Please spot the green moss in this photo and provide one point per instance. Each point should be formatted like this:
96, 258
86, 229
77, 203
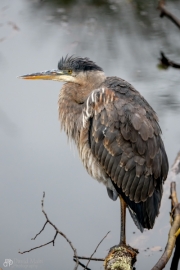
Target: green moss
119, 259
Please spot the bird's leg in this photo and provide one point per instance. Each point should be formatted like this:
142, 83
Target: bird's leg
123, 222
122, 245
121, 256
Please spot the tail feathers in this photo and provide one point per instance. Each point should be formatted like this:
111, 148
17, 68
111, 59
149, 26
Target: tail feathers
135, 219
144, 213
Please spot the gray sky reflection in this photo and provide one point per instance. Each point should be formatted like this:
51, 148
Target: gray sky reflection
35, 155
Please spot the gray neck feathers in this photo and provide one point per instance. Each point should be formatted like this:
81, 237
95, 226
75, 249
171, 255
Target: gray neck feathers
71, 101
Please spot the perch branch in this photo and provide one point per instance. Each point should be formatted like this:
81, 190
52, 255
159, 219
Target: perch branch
53, 241
122, 257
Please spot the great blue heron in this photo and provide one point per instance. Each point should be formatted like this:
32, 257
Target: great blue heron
117, 135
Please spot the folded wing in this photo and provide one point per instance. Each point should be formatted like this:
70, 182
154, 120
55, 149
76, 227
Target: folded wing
124, 136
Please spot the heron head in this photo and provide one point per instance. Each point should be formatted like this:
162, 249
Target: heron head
70, 69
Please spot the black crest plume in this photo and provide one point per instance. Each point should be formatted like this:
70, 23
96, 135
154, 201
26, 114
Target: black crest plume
78, 64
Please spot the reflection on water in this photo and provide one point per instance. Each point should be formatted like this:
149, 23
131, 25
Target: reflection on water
118, 24
125, 38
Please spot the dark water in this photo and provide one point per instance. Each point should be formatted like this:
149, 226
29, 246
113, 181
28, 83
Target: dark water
125, 38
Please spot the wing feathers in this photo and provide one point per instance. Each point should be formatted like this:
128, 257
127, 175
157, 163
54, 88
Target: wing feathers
139, 170
145, 188
103, 157
127, 188
130, 164
120, 177
152, 147
111, 161
125, 181
126, 131
141, 146
125, 139
137, 195
133, 188
134, 135
116, 166
116, 174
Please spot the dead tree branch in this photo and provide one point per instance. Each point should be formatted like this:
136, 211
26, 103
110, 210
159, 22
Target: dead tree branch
81, 264
174, 230
165, 13
176, 256
124, 257
40, 231
53, 241
175, 215
96, 250
165, 62
92, 259
75, 257
176, 165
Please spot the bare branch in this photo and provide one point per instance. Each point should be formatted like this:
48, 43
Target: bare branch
173, 197
176, 256
173, 230
40, 231
165, 62
96, 249
176, 166
127, 254
57, 232
92, 259
166, 13
81, 264
35, 247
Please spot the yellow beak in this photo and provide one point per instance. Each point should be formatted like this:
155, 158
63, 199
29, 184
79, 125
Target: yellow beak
45, 75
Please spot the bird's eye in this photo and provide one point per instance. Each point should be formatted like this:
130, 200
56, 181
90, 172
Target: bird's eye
69, 71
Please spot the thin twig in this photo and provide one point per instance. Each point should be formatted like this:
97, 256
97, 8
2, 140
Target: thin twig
81, 264
36, 247
176, 165
40, 231
96, 249
92, 259
57, 232
52, 241
61, 233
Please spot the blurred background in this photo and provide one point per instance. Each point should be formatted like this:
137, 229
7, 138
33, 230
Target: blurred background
125, 38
